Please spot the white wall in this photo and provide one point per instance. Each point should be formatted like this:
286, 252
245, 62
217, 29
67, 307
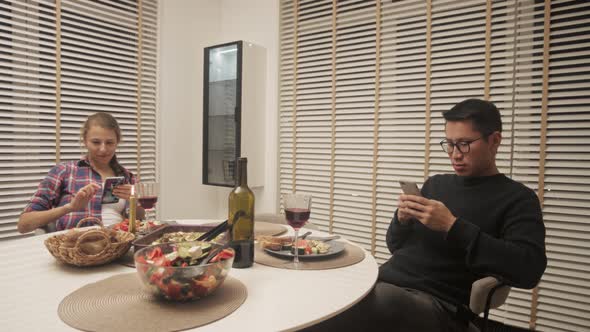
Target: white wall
186, 27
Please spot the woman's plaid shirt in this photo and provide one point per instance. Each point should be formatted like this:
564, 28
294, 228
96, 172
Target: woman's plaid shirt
63, 182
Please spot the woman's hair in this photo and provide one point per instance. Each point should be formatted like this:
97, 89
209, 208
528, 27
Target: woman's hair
483, 114
103, 120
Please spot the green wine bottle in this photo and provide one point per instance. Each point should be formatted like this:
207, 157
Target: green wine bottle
241, 218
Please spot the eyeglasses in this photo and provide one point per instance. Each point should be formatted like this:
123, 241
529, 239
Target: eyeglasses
463, 146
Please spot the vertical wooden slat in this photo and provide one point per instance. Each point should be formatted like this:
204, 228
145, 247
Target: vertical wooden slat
488, 50
427, 87
295, 55
57, 81
139, 78
543, 142
513, 80
333, 120
376, 125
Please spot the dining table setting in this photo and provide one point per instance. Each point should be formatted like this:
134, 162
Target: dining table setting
179, 276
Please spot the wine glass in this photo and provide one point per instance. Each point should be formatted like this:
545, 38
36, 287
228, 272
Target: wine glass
147, 195
297, 211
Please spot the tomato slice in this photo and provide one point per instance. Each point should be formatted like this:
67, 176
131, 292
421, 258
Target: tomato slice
225, 254
173, 290
156, 277
155, 253
162, 261
222, 255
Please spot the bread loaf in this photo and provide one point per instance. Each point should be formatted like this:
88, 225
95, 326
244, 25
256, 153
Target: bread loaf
93, 246
71, 237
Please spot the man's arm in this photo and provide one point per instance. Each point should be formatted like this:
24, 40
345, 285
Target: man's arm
518, 256
397, 233
401, 225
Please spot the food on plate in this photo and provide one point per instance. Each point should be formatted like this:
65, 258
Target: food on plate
310, 247
305, 247
272, 242
144, 226
287, 246
177, 237
173, 270
317, 247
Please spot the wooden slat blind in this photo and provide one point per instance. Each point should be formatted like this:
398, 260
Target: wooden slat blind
372, 78
62, 61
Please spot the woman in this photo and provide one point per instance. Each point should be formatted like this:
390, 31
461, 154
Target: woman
73, 190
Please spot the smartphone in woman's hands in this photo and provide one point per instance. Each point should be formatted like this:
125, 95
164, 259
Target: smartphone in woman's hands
107, 189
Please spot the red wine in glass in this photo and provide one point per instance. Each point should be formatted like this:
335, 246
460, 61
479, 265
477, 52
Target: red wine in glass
148, 202
297, 217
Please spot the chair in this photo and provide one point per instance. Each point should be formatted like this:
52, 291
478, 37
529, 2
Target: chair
486, 293
280, 219
49, 228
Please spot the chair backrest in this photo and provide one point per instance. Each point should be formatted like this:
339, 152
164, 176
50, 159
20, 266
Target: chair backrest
480, 290
49, 228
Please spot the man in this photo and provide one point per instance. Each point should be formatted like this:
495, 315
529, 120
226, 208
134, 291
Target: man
474, 223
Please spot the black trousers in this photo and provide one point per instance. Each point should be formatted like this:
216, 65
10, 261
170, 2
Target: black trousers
391, 308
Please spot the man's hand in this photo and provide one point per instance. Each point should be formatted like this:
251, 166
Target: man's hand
402, 216
82, 197
433, 214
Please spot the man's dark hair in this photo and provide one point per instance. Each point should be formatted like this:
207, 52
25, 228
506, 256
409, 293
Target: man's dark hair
483, 114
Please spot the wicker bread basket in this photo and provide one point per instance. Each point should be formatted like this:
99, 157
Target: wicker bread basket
92, 247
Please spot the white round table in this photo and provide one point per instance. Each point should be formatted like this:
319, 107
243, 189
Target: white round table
33, 283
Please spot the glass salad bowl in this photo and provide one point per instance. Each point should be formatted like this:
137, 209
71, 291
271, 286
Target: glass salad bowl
183, 271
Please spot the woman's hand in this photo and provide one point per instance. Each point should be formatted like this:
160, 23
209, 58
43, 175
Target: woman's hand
82, 197
122, 191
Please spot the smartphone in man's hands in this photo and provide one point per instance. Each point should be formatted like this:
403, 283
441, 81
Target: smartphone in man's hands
409, 187
107, 189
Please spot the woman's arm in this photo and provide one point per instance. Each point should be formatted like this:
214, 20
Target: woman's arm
29, 221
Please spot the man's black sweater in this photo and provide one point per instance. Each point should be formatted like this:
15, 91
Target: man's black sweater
499, 231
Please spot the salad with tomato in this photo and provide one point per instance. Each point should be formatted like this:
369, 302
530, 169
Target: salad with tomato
144, 226
183, 271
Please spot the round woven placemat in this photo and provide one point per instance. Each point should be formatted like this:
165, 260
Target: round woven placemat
262, 228
119, 303
351, 255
